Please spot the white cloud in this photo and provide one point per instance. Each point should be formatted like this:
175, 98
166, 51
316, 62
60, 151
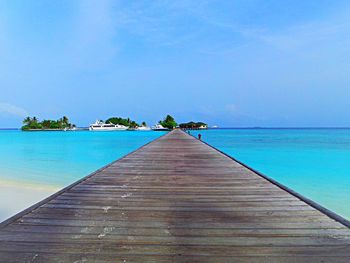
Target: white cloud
12, 110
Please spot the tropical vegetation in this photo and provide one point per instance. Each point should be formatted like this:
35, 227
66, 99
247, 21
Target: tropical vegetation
193, 125
32, 123
122, 121
168, 122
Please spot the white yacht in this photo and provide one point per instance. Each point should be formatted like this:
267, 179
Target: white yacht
159, 127
101, 126
70, 129
143, 128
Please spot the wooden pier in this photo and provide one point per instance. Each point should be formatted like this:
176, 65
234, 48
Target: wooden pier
175, 200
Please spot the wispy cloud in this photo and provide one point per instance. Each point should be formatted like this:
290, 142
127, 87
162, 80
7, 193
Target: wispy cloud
162, 23
317, 34
11, 109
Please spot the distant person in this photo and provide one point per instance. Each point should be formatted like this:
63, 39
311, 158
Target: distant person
199, 136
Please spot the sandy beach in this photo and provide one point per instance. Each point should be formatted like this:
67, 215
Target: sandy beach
16, 196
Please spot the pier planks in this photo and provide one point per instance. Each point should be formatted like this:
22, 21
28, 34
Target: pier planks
174, 200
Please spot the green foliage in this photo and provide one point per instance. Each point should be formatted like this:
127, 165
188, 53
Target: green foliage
192, 125
121, 121
55, 125
31, 123
169, 122
133, 124
34, 124
46, 124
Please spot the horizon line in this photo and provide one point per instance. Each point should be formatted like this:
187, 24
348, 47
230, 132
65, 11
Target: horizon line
247, 127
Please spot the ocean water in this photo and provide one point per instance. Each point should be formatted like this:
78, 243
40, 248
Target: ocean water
313, 162
60, 158
34, 165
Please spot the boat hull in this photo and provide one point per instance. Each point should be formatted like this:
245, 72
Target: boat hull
160, 129
108, 129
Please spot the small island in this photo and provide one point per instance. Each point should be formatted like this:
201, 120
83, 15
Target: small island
112, 123
33, 124
168, 122
118, 124
193, 126
124, 121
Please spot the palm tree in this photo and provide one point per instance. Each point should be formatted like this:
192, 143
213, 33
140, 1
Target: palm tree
35, 120
46, 124
27, 120
169, 122
65, 120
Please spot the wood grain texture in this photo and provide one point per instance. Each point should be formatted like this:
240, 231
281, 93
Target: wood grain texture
174, 200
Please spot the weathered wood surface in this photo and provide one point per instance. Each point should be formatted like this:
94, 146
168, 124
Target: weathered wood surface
174, 200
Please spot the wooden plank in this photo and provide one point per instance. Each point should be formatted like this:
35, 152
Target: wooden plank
177, 224
175, 200
97, 257
159, 231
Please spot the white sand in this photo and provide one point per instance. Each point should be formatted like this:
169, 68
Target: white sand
16, 196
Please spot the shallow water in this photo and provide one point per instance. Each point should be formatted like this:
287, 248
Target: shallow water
59, 158
34, 165
313, 162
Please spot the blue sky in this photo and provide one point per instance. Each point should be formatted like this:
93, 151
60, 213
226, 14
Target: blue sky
229, 63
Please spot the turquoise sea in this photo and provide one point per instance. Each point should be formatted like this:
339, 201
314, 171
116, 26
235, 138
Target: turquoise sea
60, 158
313, 162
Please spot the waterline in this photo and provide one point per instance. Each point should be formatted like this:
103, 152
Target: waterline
16, 196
